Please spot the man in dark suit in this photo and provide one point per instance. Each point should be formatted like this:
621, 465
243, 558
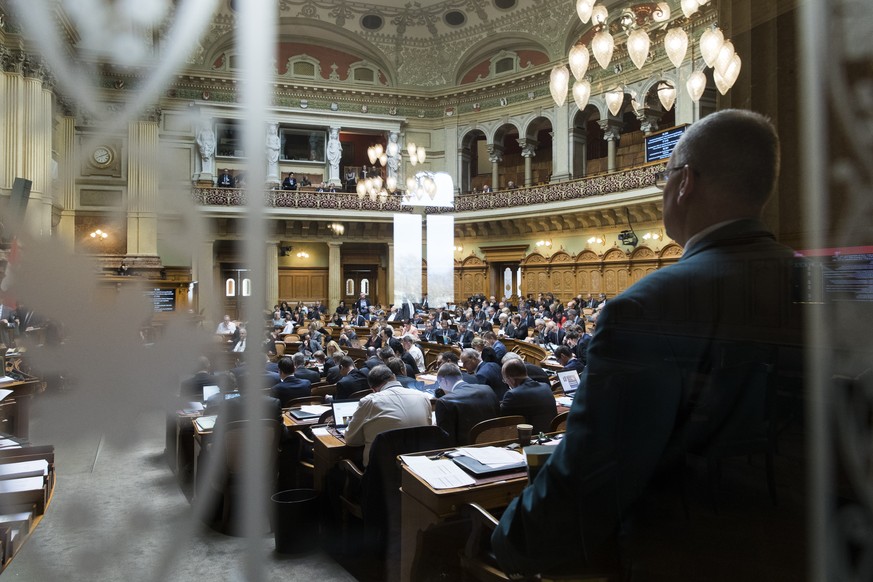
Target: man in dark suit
289, 386
225, 180
352, 380
290, 182
529, 398
465, 336
192, 388
486, 372
359, 320
302, 372
372, 359
464, 405
445, 334
677, 363
565, 356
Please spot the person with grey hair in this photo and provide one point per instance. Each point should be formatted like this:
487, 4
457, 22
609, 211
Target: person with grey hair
302, 372
679, 365
526, 397
413, 350
464, 405
391, 406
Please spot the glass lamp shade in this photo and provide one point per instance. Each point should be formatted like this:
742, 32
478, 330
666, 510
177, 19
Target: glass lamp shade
667, 94
410, 149
410, 183
614, 100
579, 60
720, 82
662, 12
420, 154
724, 57
559, 82
392, 148
689, 7
371, 154
583, 9
676, 45
602, 46
599, 14
581, 93
638, 47
732, 71
696, 85
361, 189
383, 159
391, 183
710, 44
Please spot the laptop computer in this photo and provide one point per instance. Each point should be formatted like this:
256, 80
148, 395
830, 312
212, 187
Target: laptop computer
343, 410
477, 469
569, 381
209, 391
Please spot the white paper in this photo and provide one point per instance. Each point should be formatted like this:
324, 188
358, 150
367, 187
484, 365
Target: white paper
6, 379
440, 474
195, 406
492, 456
315, 408
320, 431
206, 422
564, 401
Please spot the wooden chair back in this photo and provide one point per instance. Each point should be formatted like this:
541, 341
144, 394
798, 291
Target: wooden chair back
304, 401
559, 423
501, 428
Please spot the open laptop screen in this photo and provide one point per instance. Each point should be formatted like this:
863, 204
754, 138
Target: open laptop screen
210, 391
343, 411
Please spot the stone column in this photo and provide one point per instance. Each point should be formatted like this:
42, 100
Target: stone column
528, 151
26, 134
611, 132
142, 186
334, 275
561, 144
451, 155
272, 275
390, 272
203, 270
67, 172
579, 152
271, 148
334, 154
464, 178
649, 118
686, 110
495, 156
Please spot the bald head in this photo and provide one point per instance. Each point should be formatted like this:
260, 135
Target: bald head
723, 168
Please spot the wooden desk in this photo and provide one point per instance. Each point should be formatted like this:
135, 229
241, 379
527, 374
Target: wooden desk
423, 507
18, 403
328, 451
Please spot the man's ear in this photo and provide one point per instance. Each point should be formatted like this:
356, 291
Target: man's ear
686, 186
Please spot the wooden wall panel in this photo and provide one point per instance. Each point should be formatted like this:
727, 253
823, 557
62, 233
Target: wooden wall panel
303, 285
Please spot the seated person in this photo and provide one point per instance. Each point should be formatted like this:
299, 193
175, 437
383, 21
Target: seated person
464, 405
390, 407
531, 399
302, 372
398, 368
486, 372
289, 386
226, 327
534, 372
351, 379
565, 356
241, 345
192, 388
408, 343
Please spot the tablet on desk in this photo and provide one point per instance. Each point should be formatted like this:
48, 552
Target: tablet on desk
478, 469
343, 410
302, 414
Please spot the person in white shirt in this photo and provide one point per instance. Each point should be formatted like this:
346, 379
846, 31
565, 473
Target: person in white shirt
226, 327
240, 346
408, 342
391, 406
289, 327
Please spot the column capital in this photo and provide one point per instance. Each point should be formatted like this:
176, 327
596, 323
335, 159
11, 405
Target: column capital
611, 129
334, 243
649, 118
528, 147
495, 153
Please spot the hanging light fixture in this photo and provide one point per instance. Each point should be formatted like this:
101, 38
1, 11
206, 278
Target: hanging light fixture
689, 7
732, 71
582, 93
696, 85
720, 82
559, 82
583, 9
579, 59
710, 44
676, 45
614, 100
666, 94
602, 46
599, 14
638, 44
724, 57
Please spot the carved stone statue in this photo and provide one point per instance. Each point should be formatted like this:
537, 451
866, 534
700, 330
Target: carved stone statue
206, 145
334, 155
272, 153
393, 155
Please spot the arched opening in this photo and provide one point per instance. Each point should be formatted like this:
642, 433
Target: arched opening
475, 171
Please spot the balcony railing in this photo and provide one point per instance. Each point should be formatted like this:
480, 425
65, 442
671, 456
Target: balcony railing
621, 181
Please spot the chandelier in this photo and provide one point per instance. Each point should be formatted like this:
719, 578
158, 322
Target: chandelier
635, 24
375, 187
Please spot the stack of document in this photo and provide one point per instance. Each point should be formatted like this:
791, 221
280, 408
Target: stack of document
439, 474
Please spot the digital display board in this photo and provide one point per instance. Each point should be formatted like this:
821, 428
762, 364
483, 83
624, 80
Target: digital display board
659, 146
163, 299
